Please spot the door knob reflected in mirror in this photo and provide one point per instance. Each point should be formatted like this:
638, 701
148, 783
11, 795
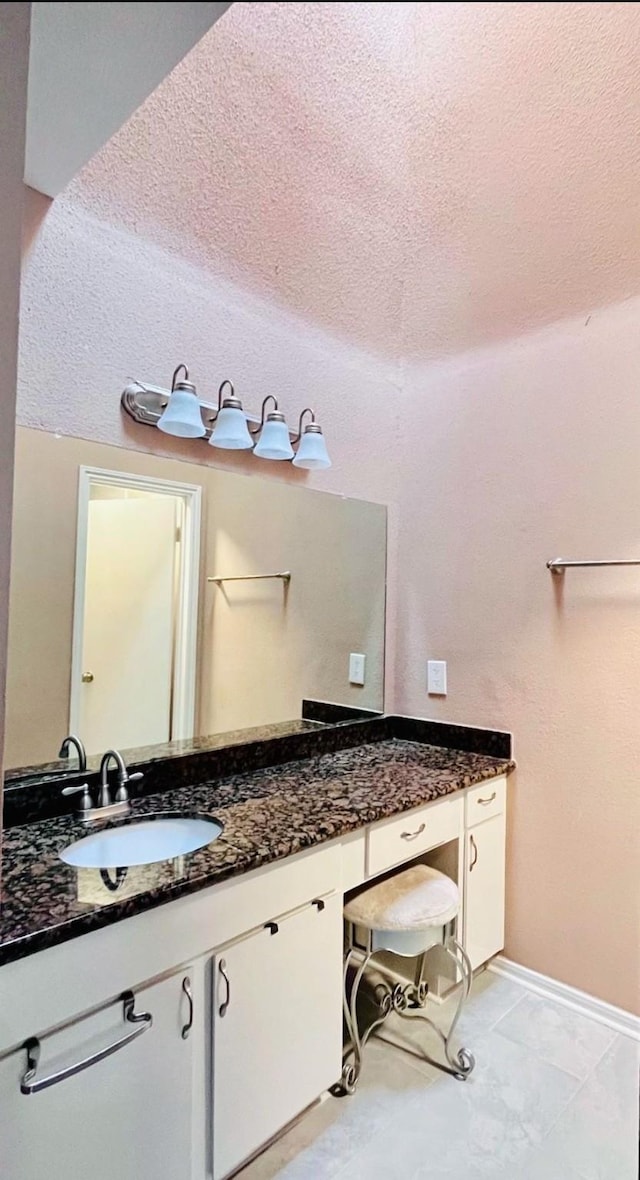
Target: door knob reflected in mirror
87, 677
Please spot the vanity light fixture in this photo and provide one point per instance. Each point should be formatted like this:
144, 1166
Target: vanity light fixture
274, 441
181, 415
225, 424
230, 431
312, 453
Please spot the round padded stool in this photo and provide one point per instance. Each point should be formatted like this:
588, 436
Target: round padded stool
407, 913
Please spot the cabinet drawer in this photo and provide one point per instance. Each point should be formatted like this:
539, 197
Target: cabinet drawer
395, 840
485, 800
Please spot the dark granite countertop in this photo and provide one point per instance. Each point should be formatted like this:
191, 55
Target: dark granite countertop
267, 815
175, 749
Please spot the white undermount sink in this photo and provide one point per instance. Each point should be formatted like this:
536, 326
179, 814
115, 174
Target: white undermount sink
141, 843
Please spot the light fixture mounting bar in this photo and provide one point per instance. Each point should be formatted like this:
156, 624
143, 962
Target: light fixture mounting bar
145, 403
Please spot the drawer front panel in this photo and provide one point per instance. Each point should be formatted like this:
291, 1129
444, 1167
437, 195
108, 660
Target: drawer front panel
485, 800
400, 839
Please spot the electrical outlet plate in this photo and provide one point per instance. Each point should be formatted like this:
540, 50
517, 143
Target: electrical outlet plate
437, 678
357, 663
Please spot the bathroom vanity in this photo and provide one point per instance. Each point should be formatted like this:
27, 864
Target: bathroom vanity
164, 1020
215, 980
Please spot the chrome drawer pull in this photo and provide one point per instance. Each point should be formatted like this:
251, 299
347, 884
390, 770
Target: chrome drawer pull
186, 987
222, 968
485, 801
412, 835
29, 1084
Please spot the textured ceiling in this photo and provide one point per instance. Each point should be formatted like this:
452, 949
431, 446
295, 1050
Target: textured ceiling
421, 178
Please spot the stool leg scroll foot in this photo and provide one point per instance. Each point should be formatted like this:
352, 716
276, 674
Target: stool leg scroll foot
458, 1063
352, 1063
390, 998
462, 1062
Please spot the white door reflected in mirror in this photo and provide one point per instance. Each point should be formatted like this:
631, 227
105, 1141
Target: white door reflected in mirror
129, 685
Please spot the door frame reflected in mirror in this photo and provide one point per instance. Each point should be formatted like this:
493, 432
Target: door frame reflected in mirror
183, 685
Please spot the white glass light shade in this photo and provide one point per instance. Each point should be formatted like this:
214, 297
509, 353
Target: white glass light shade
181, 415
230, 431
274, 442
312, 452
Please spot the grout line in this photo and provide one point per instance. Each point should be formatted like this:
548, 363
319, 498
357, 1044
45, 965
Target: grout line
563, 1068
564, 1109
599, 1011
554, 1003
493, 1027
532, 1051
604, 1054
409, 1060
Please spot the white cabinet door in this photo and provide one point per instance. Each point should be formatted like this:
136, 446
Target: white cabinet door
277, 1028
127, 1115
484, 890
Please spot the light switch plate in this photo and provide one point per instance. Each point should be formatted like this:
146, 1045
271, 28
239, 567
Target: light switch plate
356, 667
437, 678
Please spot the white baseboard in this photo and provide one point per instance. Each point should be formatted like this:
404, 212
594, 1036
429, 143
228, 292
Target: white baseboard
571, 997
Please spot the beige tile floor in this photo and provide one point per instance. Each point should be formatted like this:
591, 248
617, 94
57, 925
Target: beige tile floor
554, 1096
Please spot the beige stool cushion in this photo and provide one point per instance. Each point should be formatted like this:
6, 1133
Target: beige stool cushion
415, 899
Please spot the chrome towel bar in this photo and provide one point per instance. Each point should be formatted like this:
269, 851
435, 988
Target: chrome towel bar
29, 1084
558, 565
285, 576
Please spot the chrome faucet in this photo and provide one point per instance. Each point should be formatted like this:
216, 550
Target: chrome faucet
105, 808
72, 740
122, 794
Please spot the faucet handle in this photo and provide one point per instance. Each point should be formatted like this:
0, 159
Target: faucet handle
122, 794
86, 802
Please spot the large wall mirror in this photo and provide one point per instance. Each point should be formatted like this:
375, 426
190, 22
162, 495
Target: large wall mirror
154, 600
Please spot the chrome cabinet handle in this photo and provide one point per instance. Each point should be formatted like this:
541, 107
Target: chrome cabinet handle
483, 802
30, 1085
222, 968
412, 835
186, 987
474, 849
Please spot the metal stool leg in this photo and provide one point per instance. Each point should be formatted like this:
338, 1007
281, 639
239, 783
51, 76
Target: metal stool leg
419, 998
458, 1063
352, 1057
393, 997
352, 1063
463, 1061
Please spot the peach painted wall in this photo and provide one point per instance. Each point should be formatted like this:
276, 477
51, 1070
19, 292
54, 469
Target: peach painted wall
511, 456
14, 58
